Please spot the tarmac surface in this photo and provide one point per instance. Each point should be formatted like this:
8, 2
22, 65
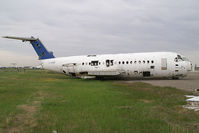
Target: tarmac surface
189, 83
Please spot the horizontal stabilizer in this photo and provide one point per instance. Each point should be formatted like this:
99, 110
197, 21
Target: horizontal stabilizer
20, 38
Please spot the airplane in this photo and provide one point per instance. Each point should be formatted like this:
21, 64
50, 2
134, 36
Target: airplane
130, 65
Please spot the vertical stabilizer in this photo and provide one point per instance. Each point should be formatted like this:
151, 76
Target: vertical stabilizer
39, 48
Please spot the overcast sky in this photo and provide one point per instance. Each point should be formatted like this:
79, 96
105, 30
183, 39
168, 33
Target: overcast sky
81, 27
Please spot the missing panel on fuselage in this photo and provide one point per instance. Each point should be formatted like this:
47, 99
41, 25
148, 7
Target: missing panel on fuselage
146, 74
94, 63
109, 63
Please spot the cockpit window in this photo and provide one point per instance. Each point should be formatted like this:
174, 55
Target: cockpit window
178, 58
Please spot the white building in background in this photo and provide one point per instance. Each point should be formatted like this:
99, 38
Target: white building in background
193, 68
196, 67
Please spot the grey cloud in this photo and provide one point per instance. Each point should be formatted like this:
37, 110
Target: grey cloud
7, 58
76, 27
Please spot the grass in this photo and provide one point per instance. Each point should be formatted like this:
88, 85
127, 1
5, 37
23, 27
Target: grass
39, 101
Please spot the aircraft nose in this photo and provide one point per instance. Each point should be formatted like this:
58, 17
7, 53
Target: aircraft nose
188, 65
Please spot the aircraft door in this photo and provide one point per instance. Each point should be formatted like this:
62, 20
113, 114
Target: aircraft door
164, 64
164, 70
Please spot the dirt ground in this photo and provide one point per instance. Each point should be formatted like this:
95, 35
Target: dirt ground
189, 83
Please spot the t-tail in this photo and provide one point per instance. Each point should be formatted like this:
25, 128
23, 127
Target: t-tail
40, 49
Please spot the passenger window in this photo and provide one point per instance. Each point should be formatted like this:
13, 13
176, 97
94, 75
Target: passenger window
148, 61
83, 63
143, 61
119, 62
152, 61
139, 61
135, 62
122, 62
127, 62
131, 62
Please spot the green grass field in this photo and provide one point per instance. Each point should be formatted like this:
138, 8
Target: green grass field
38, 101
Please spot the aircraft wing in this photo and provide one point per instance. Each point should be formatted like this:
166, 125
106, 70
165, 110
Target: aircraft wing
104, 73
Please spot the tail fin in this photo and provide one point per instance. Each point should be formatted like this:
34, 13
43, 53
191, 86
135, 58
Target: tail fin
40, 49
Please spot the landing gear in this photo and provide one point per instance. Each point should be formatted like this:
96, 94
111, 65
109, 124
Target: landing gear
100, 78
175, 78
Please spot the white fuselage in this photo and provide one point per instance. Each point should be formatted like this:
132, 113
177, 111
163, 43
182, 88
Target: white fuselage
132, 65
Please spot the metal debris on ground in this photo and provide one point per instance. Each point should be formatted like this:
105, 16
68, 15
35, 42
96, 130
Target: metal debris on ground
192, 102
